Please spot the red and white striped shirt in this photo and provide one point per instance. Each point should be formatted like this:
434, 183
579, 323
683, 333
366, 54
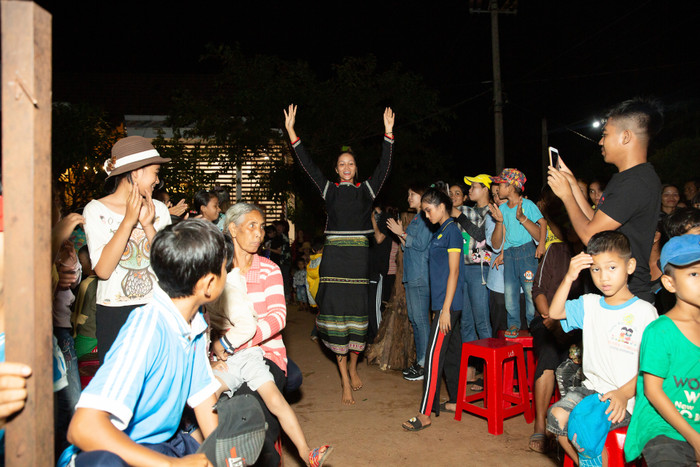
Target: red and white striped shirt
266, 291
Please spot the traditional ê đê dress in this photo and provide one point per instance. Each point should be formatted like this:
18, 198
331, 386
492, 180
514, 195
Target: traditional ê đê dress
344, 270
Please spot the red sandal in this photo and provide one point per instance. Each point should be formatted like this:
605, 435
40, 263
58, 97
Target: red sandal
317, 457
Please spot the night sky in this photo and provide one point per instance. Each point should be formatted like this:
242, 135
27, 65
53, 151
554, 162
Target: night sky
564, 60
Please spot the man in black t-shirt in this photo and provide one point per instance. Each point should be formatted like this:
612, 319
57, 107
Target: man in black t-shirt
630, 202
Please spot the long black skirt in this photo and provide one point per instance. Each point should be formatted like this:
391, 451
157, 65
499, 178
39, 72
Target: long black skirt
342, 294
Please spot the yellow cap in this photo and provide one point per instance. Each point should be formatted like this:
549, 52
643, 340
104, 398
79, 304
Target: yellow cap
481, 178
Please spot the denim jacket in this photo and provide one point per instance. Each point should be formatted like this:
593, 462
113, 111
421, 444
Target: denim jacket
415, 259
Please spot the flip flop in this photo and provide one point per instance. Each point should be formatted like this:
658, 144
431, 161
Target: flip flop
477, 385
512, 332
538, 443
414, 425
443, 408
317, 458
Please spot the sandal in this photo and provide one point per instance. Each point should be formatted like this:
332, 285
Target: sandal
443, 407
318, 457
477, 385
538, 443
413, 424
512, 332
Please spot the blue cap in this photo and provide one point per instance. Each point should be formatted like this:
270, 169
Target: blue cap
589, 422
681, 251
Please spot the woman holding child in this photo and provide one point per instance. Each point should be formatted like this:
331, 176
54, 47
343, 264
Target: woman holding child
257, 359
343, 290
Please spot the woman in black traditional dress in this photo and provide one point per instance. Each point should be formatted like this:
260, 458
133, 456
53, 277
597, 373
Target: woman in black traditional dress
343, 289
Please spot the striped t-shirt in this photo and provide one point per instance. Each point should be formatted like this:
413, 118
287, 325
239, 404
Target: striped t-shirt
266, 290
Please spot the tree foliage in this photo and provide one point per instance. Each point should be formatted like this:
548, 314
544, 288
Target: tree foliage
235, 121
82, 139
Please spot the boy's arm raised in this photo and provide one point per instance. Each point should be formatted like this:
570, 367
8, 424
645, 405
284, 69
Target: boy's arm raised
578, 263
91, 430
653, 390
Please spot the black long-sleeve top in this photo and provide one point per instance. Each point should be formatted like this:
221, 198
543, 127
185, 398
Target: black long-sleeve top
349, 205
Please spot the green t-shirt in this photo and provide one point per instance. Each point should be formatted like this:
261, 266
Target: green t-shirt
668, 354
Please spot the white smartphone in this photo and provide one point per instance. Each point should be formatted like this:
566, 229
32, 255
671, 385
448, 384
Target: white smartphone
554, 157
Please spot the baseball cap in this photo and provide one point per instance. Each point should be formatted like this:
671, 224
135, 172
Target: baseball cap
589, 422
512, 176
681, 251
481, 178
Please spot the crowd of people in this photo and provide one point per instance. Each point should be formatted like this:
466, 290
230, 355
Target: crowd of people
604, 274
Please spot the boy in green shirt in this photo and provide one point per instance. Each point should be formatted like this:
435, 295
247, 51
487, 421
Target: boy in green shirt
665, 426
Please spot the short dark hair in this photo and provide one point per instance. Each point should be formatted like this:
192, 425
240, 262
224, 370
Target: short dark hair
680, 221
609, 241
437, 194
647, 113
417, 187
183, 253
202, 198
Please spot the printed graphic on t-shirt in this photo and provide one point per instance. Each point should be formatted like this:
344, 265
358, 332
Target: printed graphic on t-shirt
691, 389
136, 259
621, 335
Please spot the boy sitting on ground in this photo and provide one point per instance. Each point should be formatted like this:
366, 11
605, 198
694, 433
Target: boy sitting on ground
612, 327
131, 410
234, 322
665, 427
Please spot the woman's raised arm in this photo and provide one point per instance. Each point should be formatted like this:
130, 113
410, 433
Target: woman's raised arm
290, 117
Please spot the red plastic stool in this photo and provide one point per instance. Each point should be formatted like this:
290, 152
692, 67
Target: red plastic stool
614, 444
498, 404
526, 340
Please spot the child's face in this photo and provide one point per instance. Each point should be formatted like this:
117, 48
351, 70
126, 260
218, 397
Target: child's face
504, 190
211, 211
609, 272
595, 192
685, 284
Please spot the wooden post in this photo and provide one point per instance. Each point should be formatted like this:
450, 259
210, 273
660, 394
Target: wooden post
26, 177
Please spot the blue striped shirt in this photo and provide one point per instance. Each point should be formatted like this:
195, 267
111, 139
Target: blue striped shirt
157, 364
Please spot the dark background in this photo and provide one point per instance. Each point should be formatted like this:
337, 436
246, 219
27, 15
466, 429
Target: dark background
564, 60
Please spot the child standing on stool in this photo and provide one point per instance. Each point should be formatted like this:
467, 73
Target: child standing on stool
518, 223
665, 427
612, 327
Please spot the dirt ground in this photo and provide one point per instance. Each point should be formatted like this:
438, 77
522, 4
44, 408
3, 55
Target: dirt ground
369, 433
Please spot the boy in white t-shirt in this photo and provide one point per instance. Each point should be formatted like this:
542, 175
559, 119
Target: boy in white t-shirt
612, 327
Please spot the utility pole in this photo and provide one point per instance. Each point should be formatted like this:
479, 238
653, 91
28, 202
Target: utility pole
494, 9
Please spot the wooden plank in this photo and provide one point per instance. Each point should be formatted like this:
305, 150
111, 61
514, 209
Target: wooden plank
26, 149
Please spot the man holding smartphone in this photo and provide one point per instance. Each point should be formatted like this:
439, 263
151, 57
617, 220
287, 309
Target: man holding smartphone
630, 202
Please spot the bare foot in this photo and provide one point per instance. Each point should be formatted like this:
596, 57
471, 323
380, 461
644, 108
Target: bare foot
347, 396
355, 381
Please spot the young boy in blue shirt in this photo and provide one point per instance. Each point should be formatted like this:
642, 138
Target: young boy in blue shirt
665, 426
612, 326
518, 223
130, 412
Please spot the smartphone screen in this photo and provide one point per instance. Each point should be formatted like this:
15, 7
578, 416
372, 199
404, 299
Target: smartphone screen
553, 157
